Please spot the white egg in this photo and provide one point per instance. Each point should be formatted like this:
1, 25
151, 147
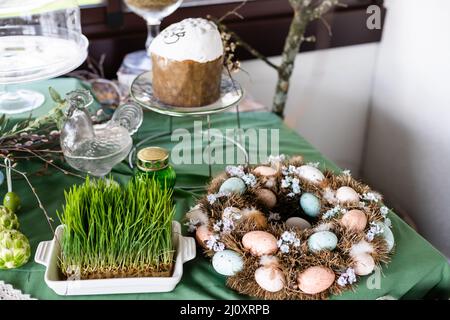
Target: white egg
347, 195
364, 264
298, 223
227, 262
270, 279
311, 174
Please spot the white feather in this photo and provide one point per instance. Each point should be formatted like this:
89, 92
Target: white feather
361, 247
197, 214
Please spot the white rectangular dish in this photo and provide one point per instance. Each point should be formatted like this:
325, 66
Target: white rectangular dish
48, 253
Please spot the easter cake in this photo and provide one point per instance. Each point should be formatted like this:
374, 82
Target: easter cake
187, 60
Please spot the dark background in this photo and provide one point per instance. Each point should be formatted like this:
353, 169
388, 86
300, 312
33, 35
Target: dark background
114, 31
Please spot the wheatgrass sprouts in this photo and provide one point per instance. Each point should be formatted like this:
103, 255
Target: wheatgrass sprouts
112, 231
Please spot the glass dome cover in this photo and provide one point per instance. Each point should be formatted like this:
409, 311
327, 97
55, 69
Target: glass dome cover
39, 39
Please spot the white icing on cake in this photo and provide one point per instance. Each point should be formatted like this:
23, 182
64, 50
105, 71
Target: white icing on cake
191, 39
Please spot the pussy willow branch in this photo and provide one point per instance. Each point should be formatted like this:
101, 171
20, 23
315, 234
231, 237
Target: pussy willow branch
242, 43
50, 162
305, 11
33, 190
234, 12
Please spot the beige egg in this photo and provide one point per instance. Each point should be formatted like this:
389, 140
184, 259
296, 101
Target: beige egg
202, 234
364, 264
260, 243
267, 197
311, 174
347, 195
298, 223
355, 220
265, 171
315, 279
270, 279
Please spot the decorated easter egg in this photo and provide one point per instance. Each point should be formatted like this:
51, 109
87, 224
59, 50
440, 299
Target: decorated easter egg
310, 204
202, 234
270, 279
267, 197
233, 185
387, 235
265, 171
310, 174
323, 240
298, 223
315, 280
259, 243
364, 264
227, 262
355, 220
347, 194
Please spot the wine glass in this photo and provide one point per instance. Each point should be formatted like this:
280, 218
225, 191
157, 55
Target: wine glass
39, 39
153, 11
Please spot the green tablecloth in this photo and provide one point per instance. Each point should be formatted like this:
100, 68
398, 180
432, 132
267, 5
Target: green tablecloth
417, 269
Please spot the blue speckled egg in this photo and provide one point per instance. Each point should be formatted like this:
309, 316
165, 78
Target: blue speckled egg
227, 262
387, 235
310, 204
233, 185
323, 240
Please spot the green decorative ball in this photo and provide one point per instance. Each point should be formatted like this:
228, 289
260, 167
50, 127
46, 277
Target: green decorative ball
14, 249
8, 219
12, 201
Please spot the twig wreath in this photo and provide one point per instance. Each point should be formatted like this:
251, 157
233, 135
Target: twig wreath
286, 230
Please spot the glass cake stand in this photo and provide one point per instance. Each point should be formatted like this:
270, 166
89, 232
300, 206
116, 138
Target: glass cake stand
231, 94
39, 39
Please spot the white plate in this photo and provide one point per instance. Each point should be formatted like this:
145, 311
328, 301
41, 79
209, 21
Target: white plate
48, 253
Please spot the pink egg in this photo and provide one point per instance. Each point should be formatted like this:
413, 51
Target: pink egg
347, 194
315, 279
267, 197
265, 171
364, 264
202, 235
260, 243
354, 220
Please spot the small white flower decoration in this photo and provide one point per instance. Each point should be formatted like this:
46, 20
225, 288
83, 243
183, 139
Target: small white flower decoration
375, 229
288, 239
214, 244
347, 173
348, 277
371, 196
